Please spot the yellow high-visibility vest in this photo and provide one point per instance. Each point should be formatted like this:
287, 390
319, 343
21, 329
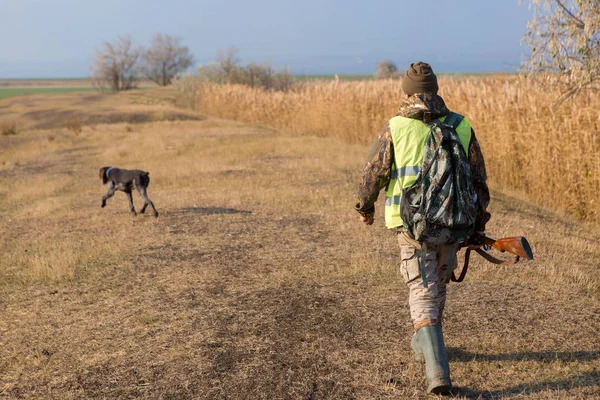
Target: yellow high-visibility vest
409, 137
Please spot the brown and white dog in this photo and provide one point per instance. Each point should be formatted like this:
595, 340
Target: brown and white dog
125, 180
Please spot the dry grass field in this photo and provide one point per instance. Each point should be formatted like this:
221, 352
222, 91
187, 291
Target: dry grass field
257, 281
18, 87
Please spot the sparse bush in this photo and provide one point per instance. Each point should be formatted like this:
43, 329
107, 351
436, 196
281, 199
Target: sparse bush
74, 125
8, 128
227, 70
186, 87
387, 70
211, 73
264, 76
284, 80
258, 75
229, 64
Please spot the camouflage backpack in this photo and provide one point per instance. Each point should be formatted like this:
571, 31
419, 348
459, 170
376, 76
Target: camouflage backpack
440, 207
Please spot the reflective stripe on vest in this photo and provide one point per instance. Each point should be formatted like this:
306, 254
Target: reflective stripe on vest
409, 137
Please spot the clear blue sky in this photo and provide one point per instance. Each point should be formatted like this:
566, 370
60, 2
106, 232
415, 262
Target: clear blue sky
58, 38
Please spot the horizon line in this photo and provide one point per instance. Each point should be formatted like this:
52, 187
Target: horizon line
38, 78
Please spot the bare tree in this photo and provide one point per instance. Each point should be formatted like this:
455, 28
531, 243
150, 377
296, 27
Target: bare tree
116, 65
259, 75
564, 36
166, 58
229, 63
386, 70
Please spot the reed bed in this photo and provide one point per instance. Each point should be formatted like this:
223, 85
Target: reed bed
533, 149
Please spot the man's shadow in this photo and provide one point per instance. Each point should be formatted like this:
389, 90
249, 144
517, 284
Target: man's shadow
591, 378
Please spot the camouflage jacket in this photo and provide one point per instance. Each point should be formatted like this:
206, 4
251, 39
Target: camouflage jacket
378, 165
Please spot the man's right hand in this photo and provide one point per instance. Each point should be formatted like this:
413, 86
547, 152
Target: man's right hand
367, 220
475, 241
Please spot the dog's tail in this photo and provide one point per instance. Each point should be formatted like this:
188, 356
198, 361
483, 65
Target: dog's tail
144, 176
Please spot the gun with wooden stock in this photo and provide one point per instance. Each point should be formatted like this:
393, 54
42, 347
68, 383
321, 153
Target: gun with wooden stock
517, 245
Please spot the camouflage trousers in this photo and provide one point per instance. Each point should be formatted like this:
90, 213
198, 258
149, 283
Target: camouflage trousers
426, 304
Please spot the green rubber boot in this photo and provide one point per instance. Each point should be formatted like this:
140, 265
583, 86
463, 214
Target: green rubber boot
416, 347
430, 340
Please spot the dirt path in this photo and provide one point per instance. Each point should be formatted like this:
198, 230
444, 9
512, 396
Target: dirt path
258, 282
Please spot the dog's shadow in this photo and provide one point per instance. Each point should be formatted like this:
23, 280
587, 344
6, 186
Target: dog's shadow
581, 380
210, 211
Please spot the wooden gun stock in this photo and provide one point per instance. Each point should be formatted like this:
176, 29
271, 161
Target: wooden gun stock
518, 245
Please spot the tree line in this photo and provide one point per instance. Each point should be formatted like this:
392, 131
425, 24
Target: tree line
563, 35
227, 68
120, 65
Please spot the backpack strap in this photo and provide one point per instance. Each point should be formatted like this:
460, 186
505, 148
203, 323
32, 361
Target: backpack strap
453, 120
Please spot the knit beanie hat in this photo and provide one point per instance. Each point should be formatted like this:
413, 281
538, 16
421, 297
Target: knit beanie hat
419, 78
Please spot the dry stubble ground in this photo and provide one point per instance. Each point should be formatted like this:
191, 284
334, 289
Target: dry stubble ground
257, 281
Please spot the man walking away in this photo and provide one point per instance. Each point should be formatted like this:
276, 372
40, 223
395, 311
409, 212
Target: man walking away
416, 138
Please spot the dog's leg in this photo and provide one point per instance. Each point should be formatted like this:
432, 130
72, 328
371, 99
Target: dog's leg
142, 191
147, 200
130, 198
109, 194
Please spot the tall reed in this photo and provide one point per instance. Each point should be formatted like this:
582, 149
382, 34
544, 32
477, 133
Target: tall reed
548, 154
